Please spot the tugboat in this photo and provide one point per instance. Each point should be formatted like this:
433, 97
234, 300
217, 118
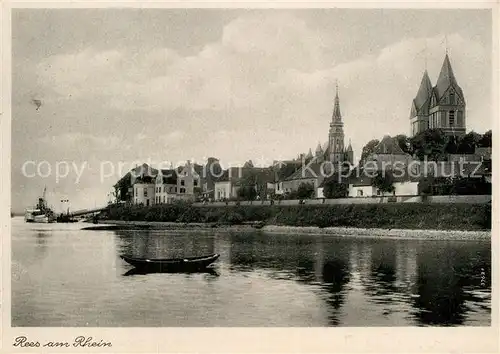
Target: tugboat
41, 213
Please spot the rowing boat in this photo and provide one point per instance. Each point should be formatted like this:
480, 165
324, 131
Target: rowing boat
172, 264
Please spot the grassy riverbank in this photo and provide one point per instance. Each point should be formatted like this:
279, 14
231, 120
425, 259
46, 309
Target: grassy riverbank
382, 216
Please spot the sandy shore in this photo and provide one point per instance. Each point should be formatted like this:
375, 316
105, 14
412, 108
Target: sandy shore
333, 231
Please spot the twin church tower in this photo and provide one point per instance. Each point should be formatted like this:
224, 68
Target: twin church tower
441, 106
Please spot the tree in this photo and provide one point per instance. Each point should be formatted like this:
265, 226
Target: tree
451, 146
334, 189
431, 144
485, 140
384, 182
368, 150
305, 191
468, 143
247, 192
122, 188
404, 143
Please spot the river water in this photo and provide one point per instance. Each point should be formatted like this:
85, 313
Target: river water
65, 276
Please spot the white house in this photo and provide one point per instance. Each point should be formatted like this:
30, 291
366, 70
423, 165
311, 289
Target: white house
144, 193
361, 186
165, 186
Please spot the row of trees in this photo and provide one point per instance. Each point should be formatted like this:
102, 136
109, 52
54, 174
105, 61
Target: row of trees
435, 144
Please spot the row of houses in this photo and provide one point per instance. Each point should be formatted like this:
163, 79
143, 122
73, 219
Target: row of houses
190, 182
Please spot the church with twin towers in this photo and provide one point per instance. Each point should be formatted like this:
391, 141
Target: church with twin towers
441, 106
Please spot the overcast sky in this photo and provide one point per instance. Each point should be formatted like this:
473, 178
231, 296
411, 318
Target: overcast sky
126, 85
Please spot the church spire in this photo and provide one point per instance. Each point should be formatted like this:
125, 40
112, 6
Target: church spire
336, 108
424, 91
446, 77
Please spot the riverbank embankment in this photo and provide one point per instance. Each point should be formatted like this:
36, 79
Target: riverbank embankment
119, 225
389, 220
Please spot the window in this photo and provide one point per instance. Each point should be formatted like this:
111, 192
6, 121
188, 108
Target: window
145, 192
182, 182
183, 190
452, 97
175, 189
147, 201
163, 199
378, 191
451, 118
195, 183
360, 192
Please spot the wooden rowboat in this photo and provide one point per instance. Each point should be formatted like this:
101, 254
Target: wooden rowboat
173, 264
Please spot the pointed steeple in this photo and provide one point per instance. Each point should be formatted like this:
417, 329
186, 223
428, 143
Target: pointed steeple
446, 77
309, 154
424, 91
336, 108
349, 147
319, 149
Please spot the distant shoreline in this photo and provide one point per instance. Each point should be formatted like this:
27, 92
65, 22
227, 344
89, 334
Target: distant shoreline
117, 225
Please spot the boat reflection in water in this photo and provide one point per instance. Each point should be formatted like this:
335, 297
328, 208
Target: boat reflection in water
142, 271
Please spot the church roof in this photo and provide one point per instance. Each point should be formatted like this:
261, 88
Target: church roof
388, 145
446, 79
424, 93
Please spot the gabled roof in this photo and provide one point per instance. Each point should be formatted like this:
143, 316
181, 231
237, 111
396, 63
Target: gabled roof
388, 145
169, 176
311, 170
284, 169
198, 169
138, 172
446, 79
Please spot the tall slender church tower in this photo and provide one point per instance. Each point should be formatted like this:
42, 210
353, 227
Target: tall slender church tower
336, 133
